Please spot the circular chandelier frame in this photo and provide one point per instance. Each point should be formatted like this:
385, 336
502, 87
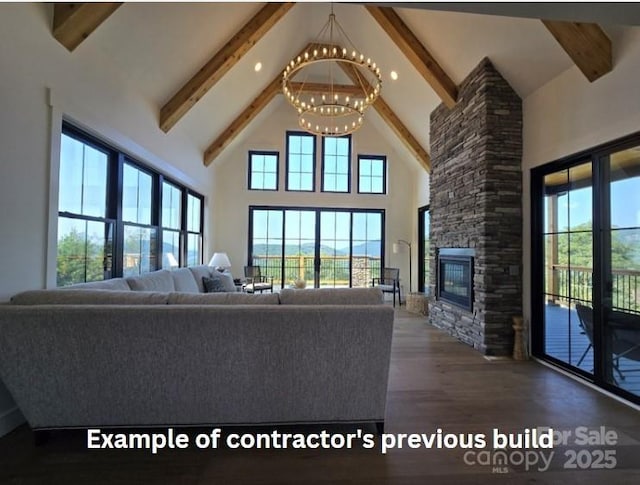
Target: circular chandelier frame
332, 112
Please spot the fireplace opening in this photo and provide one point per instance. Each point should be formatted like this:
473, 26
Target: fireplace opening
455, 276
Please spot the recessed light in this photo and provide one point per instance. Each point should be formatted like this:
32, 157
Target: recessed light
394, 75
258, 66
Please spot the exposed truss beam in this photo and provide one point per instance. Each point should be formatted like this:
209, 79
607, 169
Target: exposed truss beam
587, 44
247, 115
390, 117
241, 122
189, 94
74, 22
416, 53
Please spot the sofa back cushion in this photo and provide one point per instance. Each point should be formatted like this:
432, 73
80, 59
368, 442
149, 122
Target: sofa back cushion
331, 296
198, 273
89, 297
223, 299
112, 284
155, 281
184, 281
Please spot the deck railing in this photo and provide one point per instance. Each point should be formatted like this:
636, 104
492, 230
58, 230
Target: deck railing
334, 270
575, 284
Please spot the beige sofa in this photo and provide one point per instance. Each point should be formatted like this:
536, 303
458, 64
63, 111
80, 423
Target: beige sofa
94, 356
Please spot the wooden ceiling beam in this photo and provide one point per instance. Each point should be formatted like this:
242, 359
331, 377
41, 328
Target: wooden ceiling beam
587, 44
416, 53
248, 114
74, 22
248, 36
390, 117
241, 122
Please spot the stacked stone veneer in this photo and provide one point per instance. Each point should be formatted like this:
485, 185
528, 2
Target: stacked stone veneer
476, 202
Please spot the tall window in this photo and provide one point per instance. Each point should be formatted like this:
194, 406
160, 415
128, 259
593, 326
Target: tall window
194, 229
336, 164
85, 234
372, 174
171, 224
117, 217
301, 156
140, 251
424, 263
263, 170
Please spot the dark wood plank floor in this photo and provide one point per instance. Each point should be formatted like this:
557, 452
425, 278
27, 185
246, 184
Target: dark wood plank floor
435, 383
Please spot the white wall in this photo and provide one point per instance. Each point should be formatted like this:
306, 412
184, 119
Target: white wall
570, 114
232, 199
38, 72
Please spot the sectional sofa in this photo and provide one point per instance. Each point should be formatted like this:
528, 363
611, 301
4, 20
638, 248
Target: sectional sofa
156, 351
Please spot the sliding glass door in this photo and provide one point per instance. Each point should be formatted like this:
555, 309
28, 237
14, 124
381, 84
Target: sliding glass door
586, 266
621, 269
322, 246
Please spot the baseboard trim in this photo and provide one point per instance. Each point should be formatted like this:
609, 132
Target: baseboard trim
10, 420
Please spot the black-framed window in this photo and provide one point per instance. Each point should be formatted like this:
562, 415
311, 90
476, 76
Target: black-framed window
263, 170
372, 174
171, 222
117, 217
301, 161
195, 226
424, 249
336, 164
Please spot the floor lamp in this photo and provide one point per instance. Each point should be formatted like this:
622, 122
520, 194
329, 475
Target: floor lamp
396, 250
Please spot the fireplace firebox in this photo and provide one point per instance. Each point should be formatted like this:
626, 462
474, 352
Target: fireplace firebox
455, 276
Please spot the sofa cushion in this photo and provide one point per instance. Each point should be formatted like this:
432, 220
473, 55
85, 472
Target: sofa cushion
154, 281
331, 296
112, 284
89, 297
223, 299
218, 282
198, 273
184, 281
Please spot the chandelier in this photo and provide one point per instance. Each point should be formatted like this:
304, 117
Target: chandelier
325, 106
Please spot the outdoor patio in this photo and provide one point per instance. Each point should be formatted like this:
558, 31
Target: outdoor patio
565, 340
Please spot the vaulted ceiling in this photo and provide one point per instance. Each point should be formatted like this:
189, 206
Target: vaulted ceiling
194, 62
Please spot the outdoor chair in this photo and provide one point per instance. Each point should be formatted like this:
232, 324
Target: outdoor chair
256, 281
625, 336
389, 282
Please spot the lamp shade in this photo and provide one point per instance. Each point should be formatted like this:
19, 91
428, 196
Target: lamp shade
220, 260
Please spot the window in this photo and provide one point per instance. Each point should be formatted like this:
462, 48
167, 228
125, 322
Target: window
195, 204
336, 164
171, 224
301, 156
372, 174
117, 217
263, 170
140, 249
85, 234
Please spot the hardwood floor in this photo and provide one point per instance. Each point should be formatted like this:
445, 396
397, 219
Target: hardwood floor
435, 383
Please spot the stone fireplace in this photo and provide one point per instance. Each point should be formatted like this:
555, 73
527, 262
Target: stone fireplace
476, 212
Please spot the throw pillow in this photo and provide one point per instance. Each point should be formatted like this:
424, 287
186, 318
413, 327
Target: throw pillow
218, 282
213, 285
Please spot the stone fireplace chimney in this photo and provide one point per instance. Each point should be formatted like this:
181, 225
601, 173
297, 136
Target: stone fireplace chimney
476, 207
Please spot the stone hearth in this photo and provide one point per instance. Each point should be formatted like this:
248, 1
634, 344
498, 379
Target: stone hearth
476, 202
